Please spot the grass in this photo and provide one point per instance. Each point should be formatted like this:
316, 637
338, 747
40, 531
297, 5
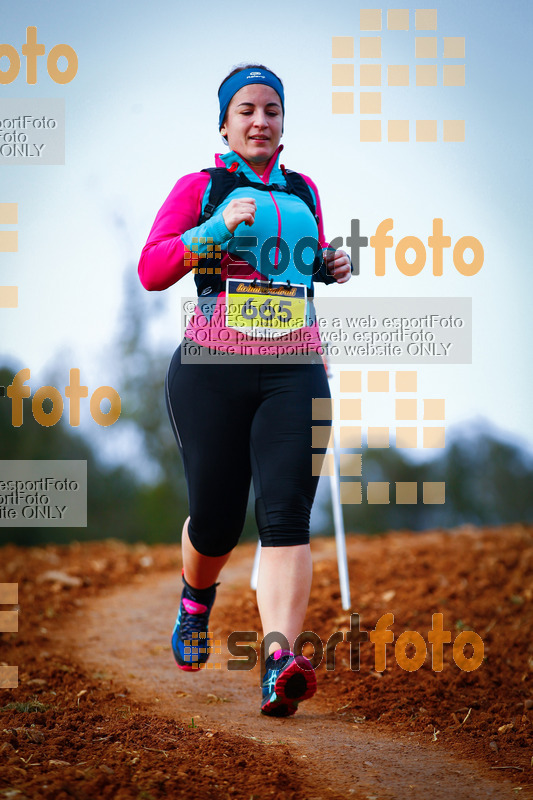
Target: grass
29, 707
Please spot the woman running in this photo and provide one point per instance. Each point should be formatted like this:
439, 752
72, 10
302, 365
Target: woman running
252, 233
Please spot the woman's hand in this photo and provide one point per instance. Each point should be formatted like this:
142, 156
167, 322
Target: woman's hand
240, 210
338, 264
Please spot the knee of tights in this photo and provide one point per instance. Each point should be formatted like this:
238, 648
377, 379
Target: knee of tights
282, 527
213, 546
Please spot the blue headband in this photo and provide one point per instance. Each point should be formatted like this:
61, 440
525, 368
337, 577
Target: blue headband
244, 78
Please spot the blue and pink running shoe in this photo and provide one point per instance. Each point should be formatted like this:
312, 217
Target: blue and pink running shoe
288, 680
190, 637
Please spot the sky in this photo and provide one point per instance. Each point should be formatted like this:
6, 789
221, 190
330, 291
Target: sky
142, 111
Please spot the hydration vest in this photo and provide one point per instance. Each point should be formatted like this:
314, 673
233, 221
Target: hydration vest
223, 182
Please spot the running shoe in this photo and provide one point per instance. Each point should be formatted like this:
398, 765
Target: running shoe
288, 680
190, 637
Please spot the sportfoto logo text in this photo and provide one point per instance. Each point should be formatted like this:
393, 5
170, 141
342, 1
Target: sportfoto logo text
380, 637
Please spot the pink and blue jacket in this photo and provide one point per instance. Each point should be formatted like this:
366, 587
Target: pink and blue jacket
166, 256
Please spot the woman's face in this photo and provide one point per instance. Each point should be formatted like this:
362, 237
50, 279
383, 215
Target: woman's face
253, 123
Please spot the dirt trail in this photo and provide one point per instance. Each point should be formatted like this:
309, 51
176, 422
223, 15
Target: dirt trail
126, 636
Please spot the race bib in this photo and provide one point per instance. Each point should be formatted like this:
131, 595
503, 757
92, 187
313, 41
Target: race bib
265, 309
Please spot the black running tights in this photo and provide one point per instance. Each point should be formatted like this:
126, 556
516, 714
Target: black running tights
238, 422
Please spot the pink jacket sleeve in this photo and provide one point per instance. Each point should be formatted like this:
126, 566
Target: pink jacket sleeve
162, 258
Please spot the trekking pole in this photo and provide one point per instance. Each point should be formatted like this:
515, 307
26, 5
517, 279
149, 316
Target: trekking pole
338, 520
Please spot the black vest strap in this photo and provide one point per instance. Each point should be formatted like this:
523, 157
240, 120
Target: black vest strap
299, 187
222, 183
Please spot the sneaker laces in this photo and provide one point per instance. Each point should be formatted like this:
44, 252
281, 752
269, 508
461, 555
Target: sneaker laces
193, 622
274, 666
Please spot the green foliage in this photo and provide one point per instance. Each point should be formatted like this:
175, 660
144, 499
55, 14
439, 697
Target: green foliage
112, 491
488, 482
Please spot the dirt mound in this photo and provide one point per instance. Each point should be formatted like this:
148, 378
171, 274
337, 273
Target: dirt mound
101, 710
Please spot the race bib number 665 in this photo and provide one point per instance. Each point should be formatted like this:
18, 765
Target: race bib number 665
261, 308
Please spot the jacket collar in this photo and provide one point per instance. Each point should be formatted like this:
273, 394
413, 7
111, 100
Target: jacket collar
272, 173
